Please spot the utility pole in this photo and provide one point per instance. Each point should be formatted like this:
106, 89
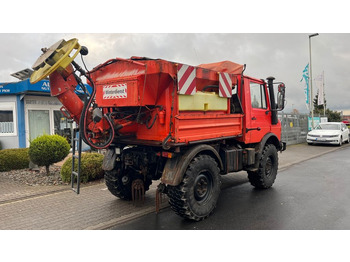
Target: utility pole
310, 84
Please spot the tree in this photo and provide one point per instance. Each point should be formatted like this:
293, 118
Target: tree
332, 116
46, 150
319, 109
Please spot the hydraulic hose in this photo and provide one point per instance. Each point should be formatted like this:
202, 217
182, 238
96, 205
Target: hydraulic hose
84, 113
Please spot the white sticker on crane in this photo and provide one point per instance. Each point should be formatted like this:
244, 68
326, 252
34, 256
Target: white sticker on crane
115, 91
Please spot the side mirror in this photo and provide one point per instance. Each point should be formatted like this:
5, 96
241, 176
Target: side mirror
281, 97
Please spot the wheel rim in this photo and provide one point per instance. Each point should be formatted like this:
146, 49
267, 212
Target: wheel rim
269, 166
203, 186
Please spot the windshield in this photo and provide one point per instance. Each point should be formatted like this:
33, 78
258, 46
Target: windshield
328, 127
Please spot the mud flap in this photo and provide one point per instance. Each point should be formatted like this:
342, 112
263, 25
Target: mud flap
160, 196
109, 160
137, 191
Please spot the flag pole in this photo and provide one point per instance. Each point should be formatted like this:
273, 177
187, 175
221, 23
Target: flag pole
310, 84
324, 96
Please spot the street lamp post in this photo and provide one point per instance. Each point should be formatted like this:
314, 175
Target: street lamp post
310, 84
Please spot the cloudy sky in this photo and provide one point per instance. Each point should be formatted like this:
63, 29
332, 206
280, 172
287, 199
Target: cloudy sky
282, 55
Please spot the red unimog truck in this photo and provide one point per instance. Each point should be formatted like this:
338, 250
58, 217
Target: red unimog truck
159, 120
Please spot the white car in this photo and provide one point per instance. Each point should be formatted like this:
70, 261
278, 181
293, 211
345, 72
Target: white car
329, 133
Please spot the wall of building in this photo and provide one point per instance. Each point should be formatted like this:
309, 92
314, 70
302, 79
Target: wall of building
34, 113
346, 115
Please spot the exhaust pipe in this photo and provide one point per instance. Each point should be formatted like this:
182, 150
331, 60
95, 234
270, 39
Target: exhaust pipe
274, 119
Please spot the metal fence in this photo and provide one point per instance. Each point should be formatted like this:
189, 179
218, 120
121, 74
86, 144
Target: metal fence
294, 128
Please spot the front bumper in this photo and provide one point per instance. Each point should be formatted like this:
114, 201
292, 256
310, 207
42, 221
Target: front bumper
283, 146
323, 140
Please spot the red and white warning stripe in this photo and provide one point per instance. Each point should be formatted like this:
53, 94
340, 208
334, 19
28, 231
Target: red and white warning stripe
186, 76
225, 85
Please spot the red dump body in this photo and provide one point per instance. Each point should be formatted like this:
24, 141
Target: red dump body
185, 105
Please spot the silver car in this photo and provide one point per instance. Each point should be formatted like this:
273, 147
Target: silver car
329, 133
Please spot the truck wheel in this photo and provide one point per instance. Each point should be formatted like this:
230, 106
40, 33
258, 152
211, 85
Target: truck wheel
119, 183
268, 166
196, 196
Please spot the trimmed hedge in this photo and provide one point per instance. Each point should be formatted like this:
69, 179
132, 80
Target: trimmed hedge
90, 169
11, 159
46, 150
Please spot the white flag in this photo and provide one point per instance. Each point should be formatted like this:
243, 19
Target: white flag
319, 84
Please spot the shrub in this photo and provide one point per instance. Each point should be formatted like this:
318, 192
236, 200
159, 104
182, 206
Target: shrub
46, 150
11, 159
90, 168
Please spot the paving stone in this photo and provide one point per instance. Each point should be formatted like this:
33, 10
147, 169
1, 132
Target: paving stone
57, 207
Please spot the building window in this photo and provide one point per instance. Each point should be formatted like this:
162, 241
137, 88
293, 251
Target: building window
62, 125
39, 123
7, 119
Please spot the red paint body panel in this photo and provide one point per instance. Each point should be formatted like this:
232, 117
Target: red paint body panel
255, 118
127, 85
201, 126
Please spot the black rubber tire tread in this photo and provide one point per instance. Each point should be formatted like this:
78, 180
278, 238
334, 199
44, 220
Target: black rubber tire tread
182, 199
259, 179
113, 180
340, 141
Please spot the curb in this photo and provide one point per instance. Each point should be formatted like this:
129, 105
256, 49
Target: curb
120, 220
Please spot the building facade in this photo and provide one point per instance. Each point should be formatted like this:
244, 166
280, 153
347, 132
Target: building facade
28, 111
346, 115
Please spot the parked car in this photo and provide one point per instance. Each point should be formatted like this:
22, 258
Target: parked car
329, 133
347, 123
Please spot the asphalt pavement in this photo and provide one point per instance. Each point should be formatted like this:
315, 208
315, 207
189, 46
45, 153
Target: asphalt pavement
310, 195
57, 207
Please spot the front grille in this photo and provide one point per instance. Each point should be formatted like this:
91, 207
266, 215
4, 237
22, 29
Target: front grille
324, 136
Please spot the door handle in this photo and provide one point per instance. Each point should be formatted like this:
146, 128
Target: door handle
251, 129
253, 118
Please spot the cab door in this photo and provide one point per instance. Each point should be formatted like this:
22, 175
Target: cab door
258, 121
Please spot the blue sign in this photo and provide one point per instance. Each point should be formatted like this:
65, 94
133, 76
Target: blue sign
317, 120
25, 86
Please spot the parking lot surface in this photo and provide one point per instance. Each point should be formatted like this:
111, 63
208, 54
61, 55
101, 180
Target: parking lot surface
57, 207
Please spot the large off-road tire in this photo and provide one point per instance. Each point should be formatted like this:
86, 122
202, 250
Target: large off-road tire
268, 166
119, 183
196, 196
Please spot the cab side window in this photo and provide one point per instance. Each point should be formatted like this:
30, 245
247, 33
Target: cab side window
257, 95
